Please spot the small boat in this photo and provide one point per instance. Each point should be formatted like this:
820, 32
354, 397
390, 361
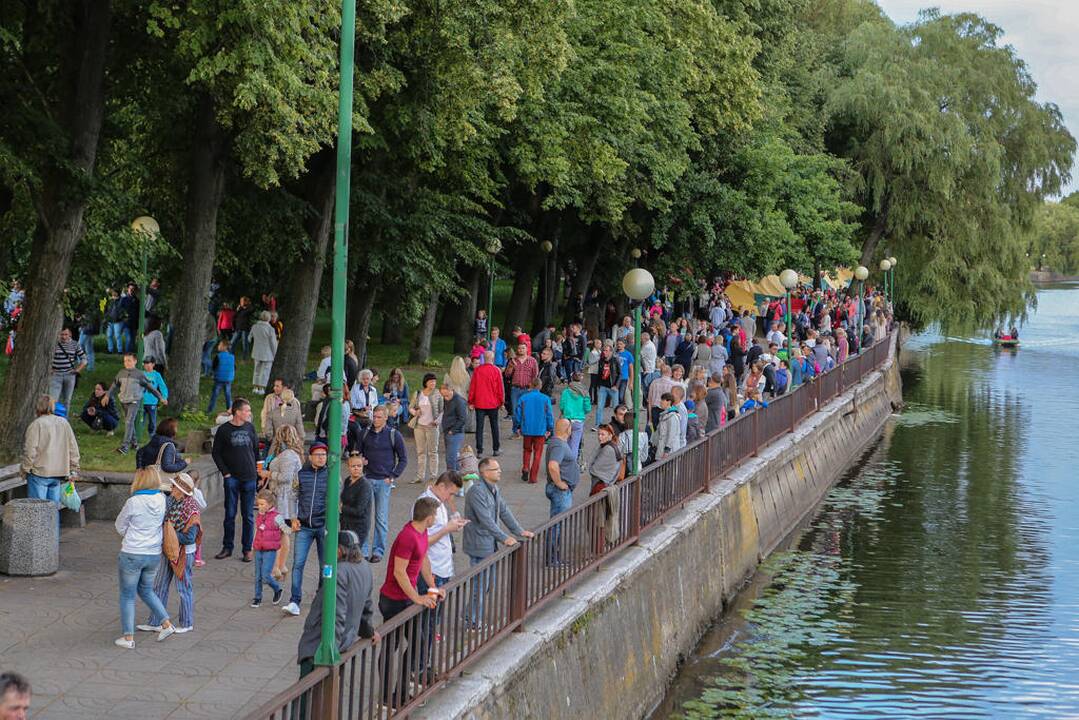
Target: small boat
1006, 342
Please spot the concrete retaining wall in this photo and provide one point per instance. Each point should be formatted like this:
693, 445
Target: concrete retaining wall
115, 488
609, 647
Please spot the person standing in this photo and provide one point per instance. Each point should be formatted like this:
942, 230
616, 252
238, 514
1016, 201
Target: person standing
50, 455
308, 519
609, 371
153, 343
521, 370
87, 325
625, 369
68, 360
454, 418
241, 324
114, 323
224, 367
498, 346
183, 514
667, 437
284, 460
132, 385
648, 362
130, 304
235, 454
716, 402
150, 399
356, 499
286, 413
161, 449
535, 416
563, 475
383, 451
140, 523
263, 350
355, 610
486, 511
606, 466
426, 410
486, 394
575, 406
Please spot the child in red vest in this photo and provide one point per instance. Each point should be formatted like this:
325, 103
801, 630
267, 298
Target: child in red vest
269, 527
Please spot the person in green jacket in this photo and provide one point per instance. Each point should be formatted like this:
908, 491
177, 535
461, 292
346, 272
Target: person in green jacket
575, 405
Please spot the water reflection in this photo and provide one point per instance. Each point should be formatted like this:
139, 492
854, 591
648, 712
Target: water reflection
941, 579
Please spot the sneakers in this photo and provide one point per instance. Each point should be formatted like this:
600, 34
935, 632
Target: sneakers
277, 595
292, 609
148, 628
122, 450
182, 630
165, 632
374, 559
124, 643
257, 602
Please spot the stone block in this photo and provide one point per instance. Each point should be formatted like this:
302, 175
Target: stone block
28, 538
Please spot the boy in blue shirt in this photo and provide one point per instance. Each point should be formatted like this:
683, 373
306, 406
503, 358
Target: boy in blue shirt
224, 374
149, 399
625, 357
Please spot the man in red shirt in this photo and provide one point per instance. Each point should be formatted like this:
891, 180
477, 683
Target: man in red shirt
485, 395
407, 561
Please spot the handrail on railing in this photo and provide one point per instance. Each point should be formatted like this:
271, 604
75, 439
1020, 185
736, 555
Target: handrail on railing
419, 649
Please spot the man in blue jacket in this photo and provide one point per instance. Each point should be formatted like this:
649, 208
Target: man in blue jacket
383, 450
308, 519
535, 417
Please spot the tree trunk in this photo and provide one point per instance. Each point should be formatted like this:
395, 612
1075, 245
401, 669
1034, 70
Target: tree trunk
301, 296
358, 326
391, 326
206, 189
421, 343
870, 245
586, 266
464, 311
60, 206
521, 298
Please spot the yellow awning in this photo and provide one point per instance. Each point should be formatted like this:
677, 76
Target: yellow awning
740, 293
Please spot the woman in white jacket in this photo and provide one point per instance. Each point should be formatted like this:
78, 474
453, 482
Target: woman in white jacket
140, 523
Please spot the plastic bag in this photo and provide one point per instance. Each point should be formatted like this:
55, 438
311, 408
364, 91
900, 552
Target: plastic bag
69, 497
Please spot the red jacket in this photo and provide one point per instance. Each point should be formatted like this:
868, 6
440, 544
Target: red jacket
486, 392
267, 534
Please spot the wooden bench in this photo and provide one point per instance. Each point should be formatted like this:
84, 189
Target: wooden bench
11, 479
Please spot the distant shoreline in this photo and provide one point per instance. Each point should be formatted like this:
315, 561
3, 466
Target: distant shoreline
1044, 276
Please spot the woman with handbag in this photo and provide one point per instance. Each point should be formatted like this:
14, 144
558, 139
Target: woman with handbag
140, 522
281, 476
181, 535
161, 451
426, 410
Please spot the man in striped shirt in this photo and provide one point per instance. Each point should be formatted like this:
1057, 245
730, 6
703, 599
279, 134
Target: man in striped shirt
68, 360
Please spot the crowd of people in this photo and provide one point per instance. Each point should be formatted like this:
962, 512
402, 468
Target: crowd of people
702, 362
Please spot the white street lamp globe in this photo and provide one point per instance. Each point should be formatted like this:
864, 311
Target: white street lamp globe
893, 261
789, 278
861, 272
546, 246
493, 246
885, 265
638, 284
146, 225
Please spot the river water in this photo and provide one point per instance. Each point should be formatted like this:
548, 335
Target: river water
940, 579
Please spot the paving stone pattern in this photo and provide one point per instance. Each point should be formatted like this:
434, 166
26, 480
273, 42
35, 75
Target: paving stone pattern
59, 630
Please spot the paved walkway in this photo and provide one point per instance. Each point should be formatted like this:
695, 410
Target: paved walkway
58, 631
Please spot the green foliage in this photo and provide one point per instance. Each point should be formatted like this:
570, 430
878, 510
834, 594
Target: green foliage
1053, 242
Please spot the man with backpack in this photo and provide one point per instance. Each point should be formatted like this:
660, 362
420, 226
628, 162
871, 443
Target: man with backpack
383, 450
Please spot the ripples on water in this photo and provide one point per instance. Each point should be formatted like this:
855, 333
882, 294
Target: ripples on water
941, 580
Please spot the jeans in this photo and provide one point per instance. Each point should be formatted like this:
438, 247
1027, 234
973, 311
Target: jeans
128, 336
515, 393
131, 413
239, 494
602, 396
431, 619
239, 337
481, 585
46, 488
397, 658
575, 433
561, 501
137, 573
219, 386
264, 561
61, 388
303, 540
207, 359
570, 366
185, 588
86, 342
492, 417
150, 411
622, 385
453, 449
380, 496
532, 456
114, 336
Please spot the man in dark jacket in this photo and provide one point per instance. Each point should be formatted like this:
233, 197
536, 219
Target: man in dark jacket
716, 400
454, 417
235, 453
355, 609
383, 449
308, 519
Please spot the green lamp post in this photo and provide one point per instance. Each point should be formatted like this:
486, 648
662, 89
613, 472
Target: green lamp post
638, 284
789, 278
885, 266
860, 274
493, 246
892, 262
147, 229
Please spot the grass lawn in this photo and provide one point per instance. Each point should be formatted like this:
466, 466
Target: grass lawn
98, 450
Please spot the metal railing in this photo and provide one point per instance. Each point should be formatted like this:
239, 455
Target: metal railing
420, 649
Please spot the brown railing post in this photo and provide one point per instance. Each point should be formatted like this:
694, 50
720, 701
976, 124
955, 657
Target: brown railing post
839, 389
519, 585
326, 696
756, 435
707, 445
792, 401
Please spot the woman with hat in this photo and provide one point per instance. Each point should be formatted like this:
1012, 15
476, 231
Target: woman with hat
181, 532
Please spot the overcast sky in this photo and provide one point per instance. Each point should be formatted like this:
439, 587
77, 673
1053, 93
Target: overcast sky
1043, 32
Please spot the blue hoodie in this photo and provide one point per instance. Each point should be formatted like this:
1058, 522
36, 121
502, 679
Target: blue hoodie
224, 367
534, 413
